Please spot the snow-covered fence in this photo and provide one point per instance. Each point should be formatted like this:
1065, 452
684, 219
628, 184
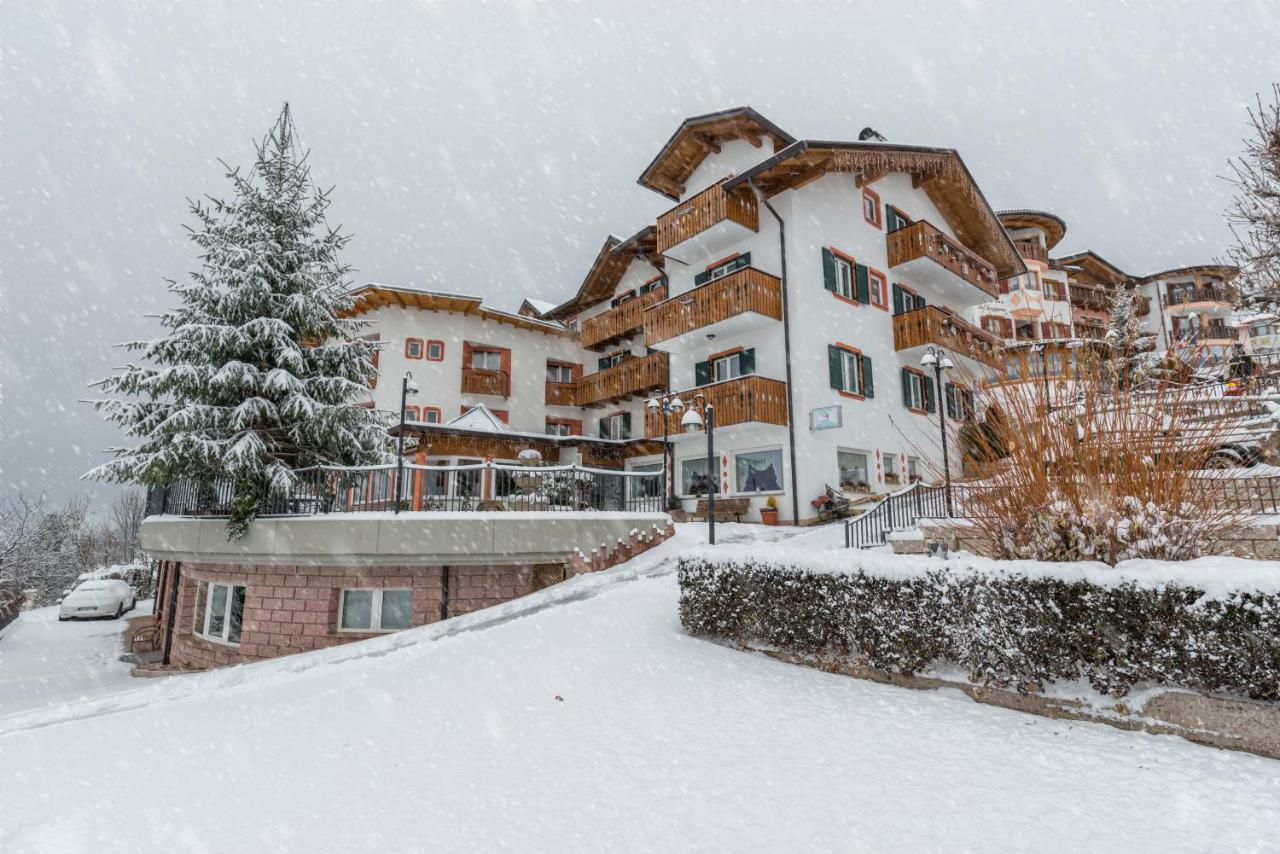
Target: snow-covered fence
481, 486
1207, 625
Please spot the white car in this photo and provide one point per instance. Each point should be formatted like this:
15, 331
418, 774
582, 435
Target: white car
107, 598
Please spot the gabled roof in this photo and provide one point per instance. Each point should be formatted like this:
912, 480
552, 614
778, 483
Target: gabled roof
1227, 272
611, 263
535, 307
373, 296
480, 419
939, 171
1052, 225
1096, 269
700, 136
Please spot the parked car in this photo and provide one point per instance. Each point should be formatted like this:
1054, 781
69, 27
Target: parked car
106, 598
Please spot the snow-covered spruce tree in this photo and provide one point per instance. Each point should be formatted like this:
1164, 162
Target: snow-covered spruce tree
1254, 212
1131, 357
258, 374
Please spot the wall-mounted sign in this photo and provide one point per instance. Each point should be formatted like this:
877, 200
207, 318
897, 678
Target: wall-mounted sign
826, 417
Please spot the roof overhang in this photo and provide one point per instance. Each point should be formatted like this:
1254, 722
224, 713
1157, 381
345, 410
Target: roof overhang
1053, 226
372, 296
938, 171
1094, 266
607, 270
700, 136
1227, 272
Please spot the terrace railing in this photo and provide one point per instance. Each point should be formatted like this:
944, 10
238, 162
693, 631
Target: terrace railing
480, 487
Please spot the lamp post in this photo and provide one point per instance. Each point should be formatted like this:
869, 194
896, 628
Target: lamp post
406, 388
1041, 347
937, 358
667, 404
692, 422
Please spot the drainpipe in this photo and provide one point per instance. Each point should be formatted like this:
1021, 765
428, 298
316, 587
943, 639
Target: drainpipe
786, 348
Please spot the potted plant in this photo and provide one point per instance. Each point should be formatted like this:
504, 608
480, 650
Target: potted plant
769, 512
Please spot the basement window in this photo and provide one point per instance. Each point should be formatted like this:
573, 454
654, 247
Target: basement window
375, 610
219, 612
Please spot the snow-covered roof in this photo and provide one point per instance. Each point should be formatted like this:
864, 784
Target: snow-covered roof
543, 306
479, 418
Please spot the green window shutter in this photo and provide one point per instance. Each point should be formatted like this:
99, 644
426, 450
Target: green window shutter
828, 270
968, 404
949, 397
930, 395
701, 278
835, 366
906, 388
868, 381
626, 426
743, 260
748, 361
702, 373
604, 428
897, 300
862, 288
919, 301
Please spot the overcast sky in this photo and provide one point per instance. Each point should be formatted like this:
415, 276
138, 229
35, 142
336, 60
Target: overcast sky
489, 148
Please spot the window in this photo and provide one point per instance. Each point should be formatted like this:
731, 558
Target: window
435, 351
725, 366
847, 279
844, 277
564, 427
559, 373
871, 207
876, 289
219, 612
917, 391
646, 487
431, 414
853, 471
413, 348
960, 402
616, 426
1055, 290
466, 484
375, 610
655, 282
410, 413
722, 268
694, 479
905, 299
895, 219
621, 298
610, 360
759, 471
913, 469
850, 371
1029, 281
891, 472
486, 360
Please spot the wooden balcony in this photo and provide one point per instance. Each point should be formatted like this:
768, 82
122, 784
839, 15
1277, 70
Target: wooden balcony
621, 322
937, 259
483, 381
946, 329
1032, 250
1091, 297
736, 401
625, 379
1183, 295
1142, 304
559, 394
704, 212
1217, 331
743, 292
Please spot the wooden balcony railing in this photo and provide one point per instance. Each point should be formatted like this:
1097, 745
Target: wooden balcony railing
945, 328
632, 377
698, 213
1032, 250
559, 394
1090, 296
922, 240
617, 323
736, 401
484, 381
1207, 293
1217, 331
1142, 304
744, 290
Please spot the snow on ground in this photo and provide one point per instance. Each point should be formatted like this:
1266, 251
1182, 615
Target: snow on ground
583, 719
46, 663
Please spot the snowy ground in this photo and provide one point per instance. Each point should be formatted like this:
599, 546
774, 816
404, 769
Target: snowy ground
583, 719
47, 663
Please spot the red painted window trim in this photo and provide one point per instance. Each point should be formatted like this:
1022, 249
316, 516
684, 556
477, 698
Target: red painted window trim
878, 217
849, 348
410, 408
883, 304
422, 348
426, 352
724, 353
725, 260
436, 410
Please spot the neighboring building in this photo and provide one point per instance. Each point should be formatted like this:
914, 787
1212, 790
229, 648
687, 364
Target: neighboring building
1197, 309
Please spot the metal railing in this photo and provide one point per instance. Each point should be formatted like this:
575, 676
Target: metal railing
459, 488
899, 511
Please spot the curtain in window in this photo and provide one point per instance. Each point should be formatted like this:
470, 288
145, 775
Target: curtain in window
759, 471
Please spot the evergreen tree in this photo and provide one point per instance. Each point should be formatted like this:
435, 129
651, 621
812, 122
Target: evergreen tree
1254, 213
1130, 344
258, 374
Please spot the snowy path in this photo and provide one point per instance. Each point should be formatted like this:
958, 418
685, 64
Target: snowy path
45, 663
598, 725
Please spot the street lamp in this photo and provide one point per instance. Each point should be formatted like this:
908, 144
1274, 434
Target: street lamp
668, 404
692, 422
407, 388
1040, 348
937, 358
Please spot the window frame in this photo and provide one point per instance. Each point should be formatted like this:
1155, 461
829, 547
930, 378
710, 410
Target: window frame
426, 410
485, 352
421, 348
839, 260
874, 276
848, 352
867, 456
620, 424
375, 609
427, 351
781, 471
411, 412
733, 358
207, 588
558, 367
714, 477
918, 384
871, 201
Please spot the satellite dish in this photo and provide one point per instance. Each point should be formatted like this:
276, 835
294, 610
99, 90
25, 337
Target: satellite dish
869, 133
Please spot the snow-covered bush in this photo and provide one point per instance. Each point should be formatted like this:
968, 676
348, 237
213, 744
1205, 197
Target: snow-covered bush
1007, 626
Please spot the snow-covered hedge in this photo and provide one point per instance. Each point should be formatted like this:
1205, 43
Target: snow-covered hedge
1210, 625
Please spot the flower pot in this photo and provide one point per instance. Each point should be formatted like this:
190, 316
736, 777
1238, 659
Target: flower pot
769, 515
